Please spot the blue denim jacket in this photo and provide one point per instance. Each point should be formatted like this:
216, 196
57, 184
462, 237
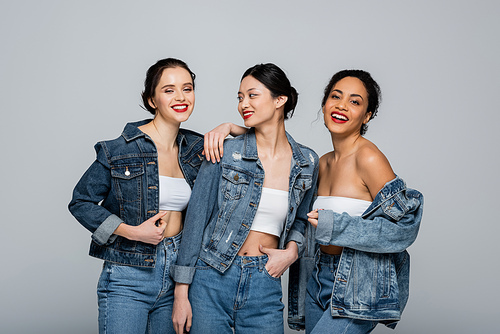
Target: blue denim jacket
122, 185
372, 281
224, 201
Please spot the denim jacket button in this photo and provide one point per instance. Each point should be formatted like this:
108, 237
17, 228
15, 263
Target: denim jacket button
236, 177
291, 209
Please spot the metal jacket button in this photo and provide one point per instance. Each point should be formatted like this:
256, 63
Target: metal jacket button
236, 177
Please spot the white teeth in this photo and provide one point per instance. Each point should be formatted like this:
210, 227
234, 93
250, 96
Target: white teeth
341, 117
179, 107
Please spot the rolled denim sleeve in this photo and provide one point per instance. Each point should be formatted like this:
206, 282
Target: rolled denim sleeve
381, 232
299, 226
202, 204
91, 189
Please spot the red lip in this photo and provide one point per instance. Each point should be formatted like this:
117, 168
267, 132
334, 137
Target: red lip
336, 120
180, 110
248, 114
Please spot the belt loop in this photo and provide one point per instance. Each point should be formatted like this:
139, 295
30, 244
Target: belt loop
261, 263
176, 241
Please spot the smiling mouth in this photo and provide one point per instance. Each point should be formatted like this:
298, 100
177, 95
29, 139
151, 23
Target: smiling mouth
247, 114
339, 118
180, 108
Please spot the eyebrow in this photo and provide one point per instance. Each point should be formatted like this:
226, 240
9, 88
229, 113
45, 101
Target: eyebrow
239, 92
169, 85
341, 92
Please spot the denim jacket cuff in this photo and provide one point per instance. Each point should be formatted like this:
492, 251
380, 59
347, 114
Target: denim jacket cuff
324, 230
299, 240
104, 233
182, 274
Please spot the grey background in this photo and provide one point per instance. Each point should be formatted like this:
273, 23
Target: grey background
71, 74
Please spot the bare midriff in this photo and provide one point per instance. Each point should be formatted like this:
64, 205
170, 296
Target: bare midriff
331, 249
173, 219
254, 240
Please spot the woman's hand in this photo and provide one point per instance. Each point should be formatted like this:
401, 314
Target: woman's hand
214, 142
181, 313
148, 232
280, 259
313, 217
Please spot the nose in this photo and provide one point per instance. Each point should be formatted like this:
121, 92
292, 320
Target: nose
244, 103
341, 105
180, 96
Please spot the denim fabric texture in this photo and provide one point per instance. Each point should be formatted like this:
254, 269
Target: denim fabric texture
225, 198
121, 186
372, 280
245, 297
138, 299
319, 292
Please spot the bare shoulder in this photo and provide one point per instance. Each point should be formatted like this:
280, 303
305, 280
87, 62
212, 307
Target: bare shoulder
373, 166
369, 156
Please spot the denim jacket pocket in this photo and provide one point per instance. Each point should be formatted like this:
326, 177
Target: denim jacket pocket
195, 161
234, 183
394, 208
127, 180
302, 184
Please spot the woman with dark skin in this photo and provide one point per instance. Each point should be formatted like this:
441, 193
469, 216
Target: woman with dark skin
350, 179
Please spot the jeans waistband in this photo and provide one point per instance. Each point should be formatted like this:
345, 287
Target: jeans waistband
251, 261
327, 259
175, 240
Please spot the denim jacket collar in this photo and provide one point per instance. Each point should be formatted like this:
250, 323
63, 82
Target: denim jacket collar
250, 148
132, 132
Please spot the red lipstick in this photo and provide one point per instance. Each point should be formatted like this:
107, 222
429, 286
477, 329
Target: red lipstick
338, 117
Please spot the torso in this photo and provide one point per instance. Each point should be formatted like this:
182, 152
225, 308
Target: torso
343, 177
277, 172
168, 165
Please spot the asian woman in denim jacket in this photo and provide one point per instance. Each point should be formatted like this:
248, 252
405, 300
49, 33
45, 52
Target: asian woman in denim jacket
363, 221
132, 199
246, 219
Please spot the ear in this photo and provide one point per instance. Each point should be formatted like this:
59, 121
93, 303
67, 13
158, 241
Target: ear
367, 117
151, 103
281, 100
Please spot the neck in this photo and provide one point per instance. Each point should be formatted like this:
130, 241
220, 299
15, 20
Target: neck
163, 133
271, 139
345, 145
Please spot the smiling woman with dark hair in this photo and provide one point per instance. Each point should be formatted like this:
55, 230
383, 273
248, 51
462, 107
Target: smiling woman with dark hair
132, 200
247, 217
363, 221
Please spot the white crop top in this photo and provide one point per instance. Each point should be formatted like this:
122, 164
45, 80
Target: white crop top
353, 206
271, 212
174, 193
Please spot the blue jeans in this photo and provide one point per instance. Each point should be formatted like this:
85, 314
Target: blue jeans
245, 298
138, 300
319, 292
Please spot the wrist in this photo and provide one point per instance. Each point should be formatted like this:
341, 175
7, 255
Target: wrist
292, 248
181, 290
126, 231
